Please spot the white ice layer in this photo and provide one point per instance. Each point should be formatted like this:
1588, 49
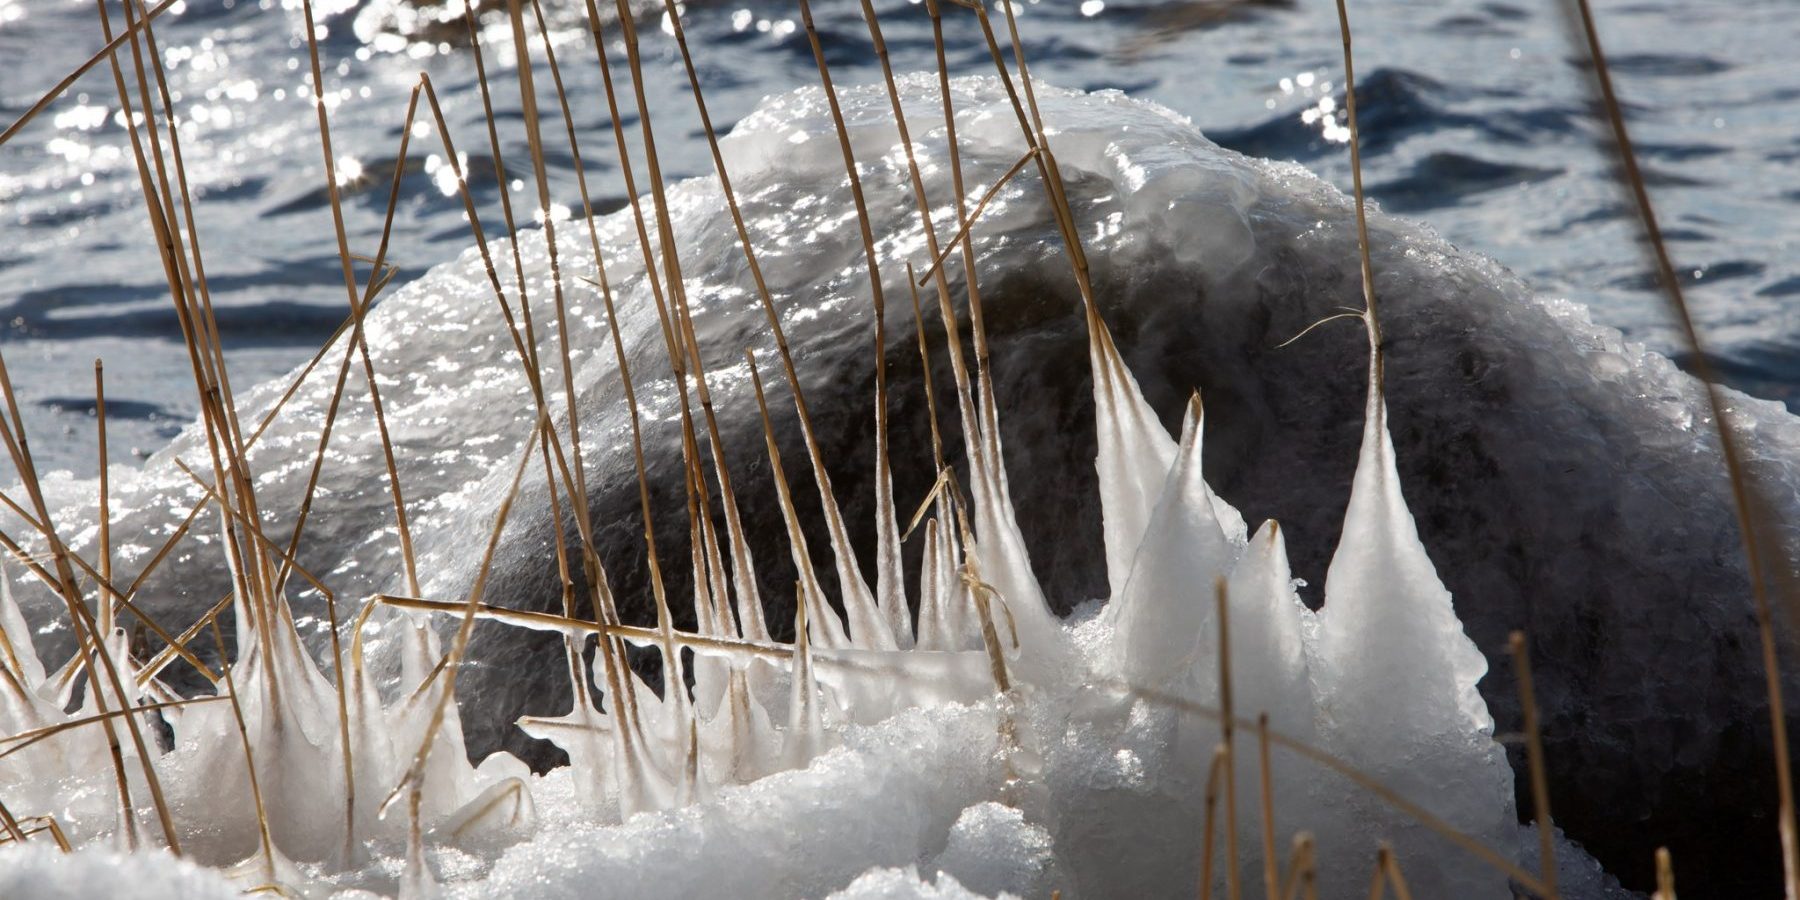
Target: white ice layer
839, 765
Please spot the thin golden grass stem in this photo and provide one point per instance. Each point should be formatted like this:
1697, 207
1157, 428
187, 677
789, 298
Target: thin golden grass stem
1378, 878
14, 743
1665, 876
1493, 858
105, 505
412, 783
1300, 863
167, 655
104, 586
962, 231
808, 582
11, 824
1370, 318
1743, 494
1534, 748
678, 332
977, 326
603, 601
90, 642
931, 406
1210, 820
534, 137
1391, 861
359, 309
174, 268
1271, 873
603, 604
36, 825
204, 339
1227, 722
268, 543
104, 53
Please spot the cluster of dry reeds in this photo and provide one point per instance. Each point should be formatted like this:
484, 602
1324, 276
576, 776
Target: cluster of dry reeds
263, 564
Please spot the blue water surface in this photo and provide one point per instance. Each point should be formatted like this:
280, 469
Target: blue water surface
1476, 118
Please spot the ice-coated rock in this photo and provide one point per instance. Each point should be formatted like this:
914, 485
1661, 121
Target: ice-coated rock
1562, 481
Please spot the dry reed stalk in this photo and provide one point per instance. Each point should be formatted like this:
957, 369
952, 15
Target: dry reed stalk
1534, 747
1391, 863
167, 655
1665, 876
38, 825
359, 309
931, 406
1378, 878
102, 583
412, 782
637, 634
1473, 846
11, 825
14, 743
268, 544
1300, 871
1227, 721
603, 605
1370, 319
684, 358
1210, 819
153, 182
104, 53
1750, 509
611, 653
616, 678
90, 642
1271, 872
810, 592
577, 485
193, 295
105, 502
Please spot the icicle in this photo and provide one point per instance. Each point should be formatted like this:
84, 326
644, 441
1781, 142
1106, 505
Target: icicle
806, 727
1268, 624
867, 627
1390, 641
890, 580
583, 733
1134, 458
1396, 674
16, 651
1159, 617
934, 633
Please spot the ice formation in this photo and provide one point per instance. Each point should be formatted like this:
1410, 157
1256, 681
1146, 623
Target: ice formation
836, 761
960, 767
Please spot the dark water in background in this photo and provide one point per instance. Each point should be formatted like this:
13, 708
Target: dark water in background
1475, 120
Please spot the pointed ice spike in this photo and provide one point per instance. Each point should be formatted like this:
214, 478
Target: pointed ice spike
1135, 453
867, 627
16, 651
806, 727
1165, 605
1000, 555
1389, 638
585, 734
1268, 622
743, 577
933, 635
890, 577
831, 630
